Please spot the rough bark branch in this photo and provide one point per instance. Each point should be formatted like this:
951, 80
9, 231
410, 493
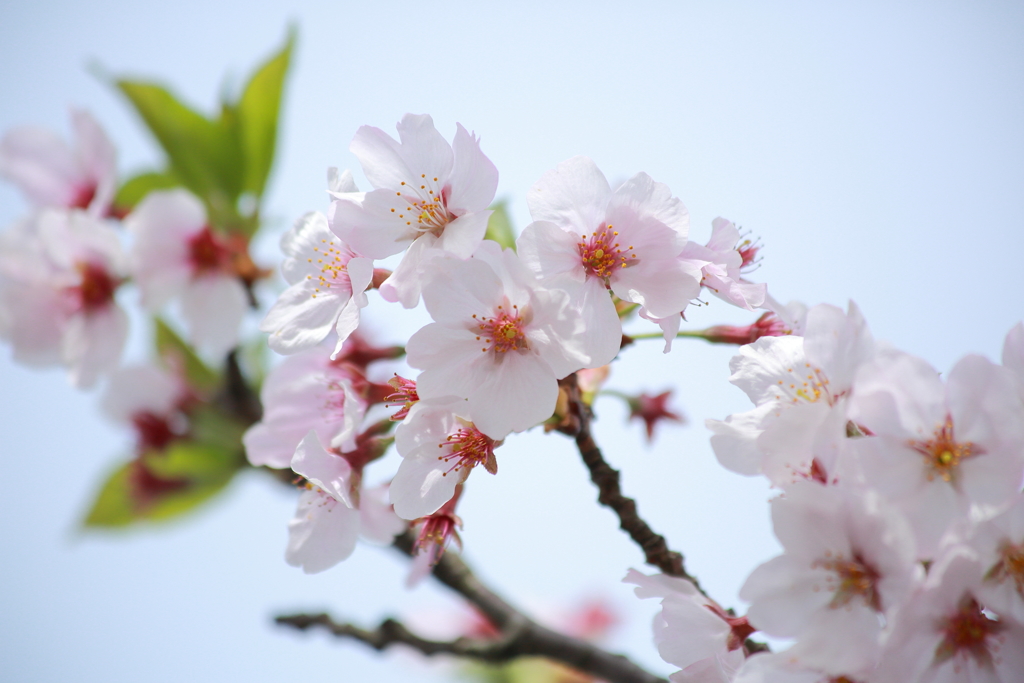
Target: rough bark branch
576, 423
519, 636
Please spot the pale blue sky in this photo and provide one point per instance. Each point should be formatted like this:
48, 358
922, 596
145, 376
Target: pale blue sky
877, 149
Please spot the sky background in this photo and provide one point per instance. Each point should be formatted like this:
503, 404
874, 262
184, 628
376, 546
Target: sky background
876, 148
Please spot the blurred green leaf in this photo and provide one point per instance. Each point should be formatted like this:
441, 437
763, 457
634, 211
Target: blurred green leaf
195, 461
133, 190
499, 227
204, 154
133, 493
173, 350
257, 113
211, 427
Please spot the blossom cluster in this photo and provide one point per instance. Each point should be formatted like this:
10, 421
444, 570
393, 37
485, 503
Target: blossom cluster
900, 509
900, 516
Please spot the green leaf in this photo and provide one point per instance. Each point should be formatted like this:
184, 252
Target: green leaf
204, 154
173, 350
133, 190
257, 112
210, 426
195, 461
499, 227
133, 493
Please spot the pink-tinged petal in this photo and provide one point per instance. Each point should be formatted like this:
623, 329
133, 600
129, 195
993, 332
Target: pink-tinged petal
1013, 350
758, 368
461, 289
213, 308
463, 235
899, 395
387, 163
549, 251
669, 326
379, 523
448, 358
309, 234
839, 343
35, 319
560, 336
340, 182
602, 329
474, 178
360, 272
423, 483
574, 195
376, 224
266, 445
692, 633
735, 440
41, 164
405, 283
519, 392
301, 318
782, 596
981, 399
664, 288
646, 198
329, 471
724, 236
93, 343
658, 585
97, 158
322, 533
141, 388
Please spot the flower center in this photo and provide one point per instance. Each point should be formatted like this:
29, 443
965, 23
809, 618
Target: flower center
850, 579
426, 207
943, 453
602, 255
1009, 567
332, 259
502, 332
405, 396
966, 633
206, 253
96, 288
808, 385
468, 447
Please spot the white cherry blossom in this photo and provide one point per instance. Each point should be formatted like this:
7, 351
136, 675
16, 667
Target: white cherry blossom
500, 341
594, 242
428, 196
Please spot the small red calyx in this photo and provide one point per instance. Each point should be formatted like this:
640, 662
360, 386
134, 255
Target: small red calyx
95, 290
652, 409
740, 628
207, 253
84, 194
768, 325
153, 432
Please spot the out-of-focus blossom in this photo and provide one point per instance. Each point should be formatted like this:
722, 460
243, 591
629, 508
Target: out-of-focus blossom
59, 273
152, 400
176, 254
52, 174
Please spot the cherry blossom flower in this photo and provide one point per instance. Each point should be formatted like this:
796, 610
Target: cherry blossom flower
434, 533
439, 449
334, 509
308, 391
943, 633
593, 242
999, 544
59, 273
799, 386
849, 560
328, 281
500, 341
726, 256
177, 255
428, 196
52, 174
940, 450
691, 631
152, 401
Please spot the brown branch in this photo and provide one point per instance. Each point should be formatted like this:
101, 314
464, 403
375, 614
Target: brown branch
237, 397
577, 425
520, 635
